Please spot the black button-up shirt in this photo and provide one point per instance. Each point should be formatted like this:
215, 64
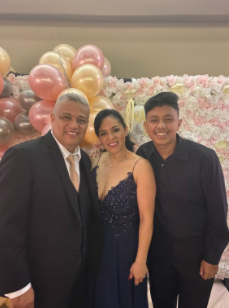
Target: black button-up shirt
191, 197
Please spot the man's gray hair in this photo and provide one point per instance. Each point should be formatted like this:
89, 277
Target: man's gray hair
70, 97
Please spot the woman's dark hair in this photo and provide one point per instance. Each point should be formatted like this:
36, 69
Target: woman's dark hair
116, 115
162, 99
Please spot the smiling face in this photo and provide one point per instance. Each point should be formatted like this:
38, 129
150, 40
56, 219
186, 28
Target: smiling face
69, 123
161, 124
112, 135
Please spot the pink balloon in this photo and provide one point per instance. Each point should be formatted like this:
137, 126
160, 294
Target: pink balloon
46, 129
1, 84
47, 81
106, 68
39, 112
9, 108
88, 54
3, 149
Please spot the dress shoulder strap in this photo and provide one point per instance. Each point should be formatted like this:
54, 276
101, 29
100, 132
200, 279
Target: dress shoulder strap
135, 164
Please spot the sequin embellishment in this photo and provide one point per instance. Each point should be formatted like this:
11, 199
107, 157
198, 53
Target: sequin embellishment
119, 209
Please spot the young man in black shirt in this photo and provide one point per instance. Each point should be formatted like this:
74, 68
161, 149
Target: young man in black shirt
190, 225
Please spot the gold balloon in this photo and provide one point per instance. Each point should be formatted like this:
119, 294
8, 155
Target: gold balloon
66, 50
52, 57
221, 145
99, 103
4, 61
87, 147
178, 88
89, 79
76, 91
2, 301
90, 136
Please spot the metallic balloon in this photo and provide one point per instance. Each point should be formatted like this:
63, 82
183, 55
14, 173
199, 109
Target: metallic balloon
4, 61
66, 50
99, 103
22, 124
27, 99
9, 108
88, 54
90, 136
89, 79
47, 81
6, 130
39, 112
53, 58
106, 68
7, 89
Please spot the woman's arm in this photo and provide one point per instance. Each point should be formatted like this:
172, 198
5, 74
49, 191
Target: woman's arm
146, 192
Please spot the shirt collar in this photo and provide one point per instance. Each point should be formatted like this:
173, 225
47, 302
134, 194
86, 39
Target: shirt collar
65, 152
181, 150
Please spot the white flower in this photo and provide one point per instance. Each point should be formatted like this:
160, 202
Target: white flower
207, 131
191, 104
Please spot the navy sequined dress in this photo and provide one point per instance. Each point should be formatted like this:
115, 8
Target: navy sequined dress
120, 218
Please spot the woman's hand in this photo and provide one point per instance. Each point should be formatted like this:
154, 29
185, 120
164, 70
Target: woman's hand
138, 271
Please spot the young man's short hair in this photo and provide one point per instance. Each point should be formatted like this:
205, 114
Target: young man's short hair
162, 99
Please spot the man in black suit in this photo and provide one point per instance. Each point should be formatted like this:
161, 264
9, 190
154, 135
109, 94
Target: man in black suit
49, 215
190, 222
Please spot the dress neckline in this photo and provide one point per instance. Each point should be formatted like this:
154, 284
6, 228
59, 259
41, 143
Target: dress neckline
129, 174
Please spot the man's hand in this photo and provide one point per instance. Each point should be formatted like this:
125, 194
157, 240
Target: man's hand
26, 300
208, 271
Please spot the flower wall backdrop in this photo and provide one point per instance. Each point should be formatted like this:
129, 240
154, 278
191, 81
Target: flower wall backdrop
204, 109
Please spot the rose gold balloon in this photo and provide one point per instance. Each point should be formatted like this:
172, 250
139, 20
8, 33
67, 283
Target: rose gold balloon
106, 68
4, 61
9, 108
1, 84
6, 130
76, 91
7, 89
39, 112
47, 81
23, 125
87, 147
46, 129
53, 58
27, 99
88, 54
66, 51
99, 103
90, 136
89, 79
3, 149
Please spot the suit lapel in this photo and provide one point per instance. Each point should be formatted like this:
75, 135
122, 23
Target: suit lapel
59, 162
93, 194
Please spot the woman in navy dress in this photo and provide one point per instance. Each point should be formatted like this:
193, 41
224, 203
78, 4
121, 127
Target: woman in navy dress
126, 190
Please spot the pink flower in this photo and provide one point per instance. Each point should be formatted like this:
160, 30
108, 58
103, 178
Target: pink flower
202, 103
214, 122
221, 80
199, 121
157, 80
203, 80
171, 80
12, 78
181, 103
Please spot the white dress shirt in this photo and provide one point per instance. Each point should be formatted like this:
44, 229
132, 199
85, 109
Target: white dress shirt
65, 153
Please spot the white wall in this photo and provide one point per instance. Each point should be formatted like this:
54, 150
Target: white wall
135, 50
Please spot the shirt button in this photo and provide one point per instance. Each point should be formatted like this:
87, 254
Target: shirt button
162, 165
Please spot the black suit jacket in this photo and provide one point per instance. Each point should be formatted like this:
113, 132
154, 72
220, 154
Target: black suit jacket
42, 227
